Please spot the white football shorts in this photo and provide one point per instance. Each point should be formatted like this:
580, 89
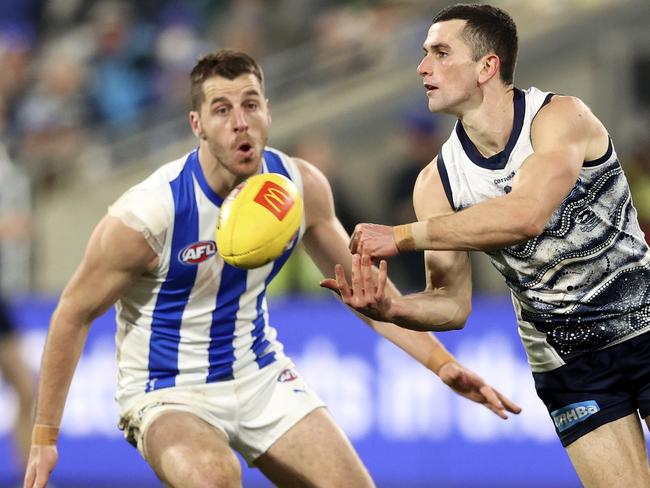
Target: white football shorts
253, 411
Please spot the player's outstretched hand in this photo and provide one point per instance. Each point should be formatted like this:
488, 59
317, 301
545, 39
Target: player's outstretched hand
367, 293
470, 385
42, 460
374, 240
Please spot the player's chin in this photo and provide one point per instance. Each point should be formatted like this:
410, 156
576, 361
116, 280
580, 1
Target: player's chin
248, 165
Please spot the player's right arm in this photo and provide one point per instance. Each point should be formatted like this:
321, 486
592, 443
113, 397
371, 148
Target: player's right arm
115, 257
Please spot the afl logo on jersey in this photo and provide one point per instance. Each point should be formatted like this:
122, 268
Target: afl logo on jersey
197, 252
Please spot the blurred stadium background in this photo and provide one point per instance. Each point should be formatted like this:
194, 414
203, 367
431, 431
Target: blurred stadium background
94, 96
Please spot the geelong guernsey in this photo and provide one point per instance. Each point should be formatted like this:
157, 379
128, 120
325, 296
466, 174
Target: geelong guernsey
584, 283
194, 319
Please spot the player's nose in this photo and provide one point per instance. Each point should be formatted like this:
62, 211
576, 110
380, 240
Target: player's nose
424, 67
239, 121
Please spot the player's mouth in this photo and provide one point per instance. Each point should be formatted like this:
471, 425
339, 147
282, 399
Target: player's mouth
246, 149
430, 88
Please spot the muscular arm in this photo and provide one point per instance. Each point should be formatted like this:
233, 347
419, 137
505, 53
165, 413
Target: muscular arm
326, 243
115, 257
564, 134
445, 304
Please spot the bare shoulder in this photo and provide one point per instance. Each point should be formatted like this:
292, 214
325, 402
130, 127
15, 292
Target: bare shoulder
567, 119
566, 111
429, 197
312, 177
120, 246
317, 192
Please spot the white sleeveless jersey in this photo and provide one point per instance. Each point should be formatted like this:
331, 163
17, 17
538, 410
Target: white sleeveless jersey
584, 283
194, 319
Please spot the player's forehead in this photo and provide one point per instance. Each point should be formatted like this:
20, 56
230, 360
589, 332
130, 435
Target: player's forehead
446, 33
220, 88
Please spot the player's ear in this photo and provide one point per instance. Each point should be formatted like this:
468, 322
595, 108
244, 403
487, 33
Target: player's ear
195, 124
489, 68
268, 111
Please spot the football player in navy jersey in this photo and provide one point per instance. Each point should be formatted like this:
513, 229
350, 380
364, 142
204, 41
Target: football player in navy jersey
531, 178
201, 371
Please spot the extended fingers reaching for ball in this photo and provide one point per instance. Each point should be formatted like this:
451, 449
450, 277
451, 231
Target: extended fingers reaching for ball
366, 291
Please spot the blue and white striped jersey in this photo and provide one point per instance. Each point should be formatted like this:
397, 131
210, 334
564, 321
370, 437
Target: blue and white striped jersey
584, 283
194, 319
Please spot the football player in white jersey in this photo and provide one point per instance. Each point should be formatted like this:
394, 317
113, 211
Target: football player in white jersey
226, 385
532, 179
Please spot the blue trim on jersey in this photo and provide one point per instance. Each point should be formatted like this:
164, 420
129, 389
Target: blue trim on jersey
195, 166
233, 285
444, 178
221, 352
499, 160
175, 291
603, 158
260, 343
274, 163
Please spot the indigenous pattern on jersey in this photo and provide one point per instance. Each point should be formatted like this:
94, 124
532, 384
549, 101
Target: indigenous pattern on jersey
584, 283
194, 319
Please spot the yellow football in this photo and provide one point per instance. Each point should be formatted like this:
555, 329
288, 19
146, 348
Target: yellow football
258, 220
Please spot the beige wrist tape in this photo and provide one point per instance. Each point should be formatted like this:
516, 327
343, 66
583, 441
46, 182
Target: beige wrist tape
438, 357
403, 235
44, 435
411, 237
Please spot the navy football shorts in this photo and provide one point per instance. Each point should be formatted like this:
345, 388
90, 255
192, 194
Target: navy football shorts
597, 387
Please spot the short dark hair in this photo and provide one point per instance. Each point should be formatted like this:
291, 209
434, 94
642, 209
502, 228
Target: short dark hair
227, 63
488, 29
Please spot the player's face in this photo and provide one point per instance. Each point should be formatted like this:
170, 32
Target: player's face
448, 71
234, 121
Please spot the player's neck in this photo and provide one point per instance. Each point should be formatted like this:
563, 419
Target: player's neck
489, 123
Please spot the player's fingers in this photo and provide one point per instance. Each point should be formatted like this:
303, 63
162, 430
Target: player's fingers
330, 284
29, 478
493, 401
354, 241
382, 278
509, 405
341, 282
41, 479
357, 284
366, 273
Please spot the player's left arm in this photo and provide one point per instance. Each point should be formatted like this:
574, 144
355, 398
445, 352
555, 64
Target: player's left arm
326, 243
564, 134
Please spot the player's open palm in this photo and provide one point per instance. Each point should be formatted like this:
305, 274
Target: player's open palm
470, 385
42, 460
366, 293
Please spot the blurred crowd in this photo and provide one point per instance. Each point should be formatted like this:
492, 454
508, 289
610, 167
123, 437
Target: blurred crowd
81, 79
80, 74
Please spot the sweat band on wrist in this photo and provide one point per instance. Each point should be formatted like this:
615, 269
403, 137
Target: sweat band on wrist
439, 357
411, 237
403, 235
44, 435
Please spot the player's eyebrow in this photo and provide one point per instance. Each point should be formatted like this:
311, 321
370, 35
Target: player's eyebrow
252, 91
247, 93
218, 100
436, 47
